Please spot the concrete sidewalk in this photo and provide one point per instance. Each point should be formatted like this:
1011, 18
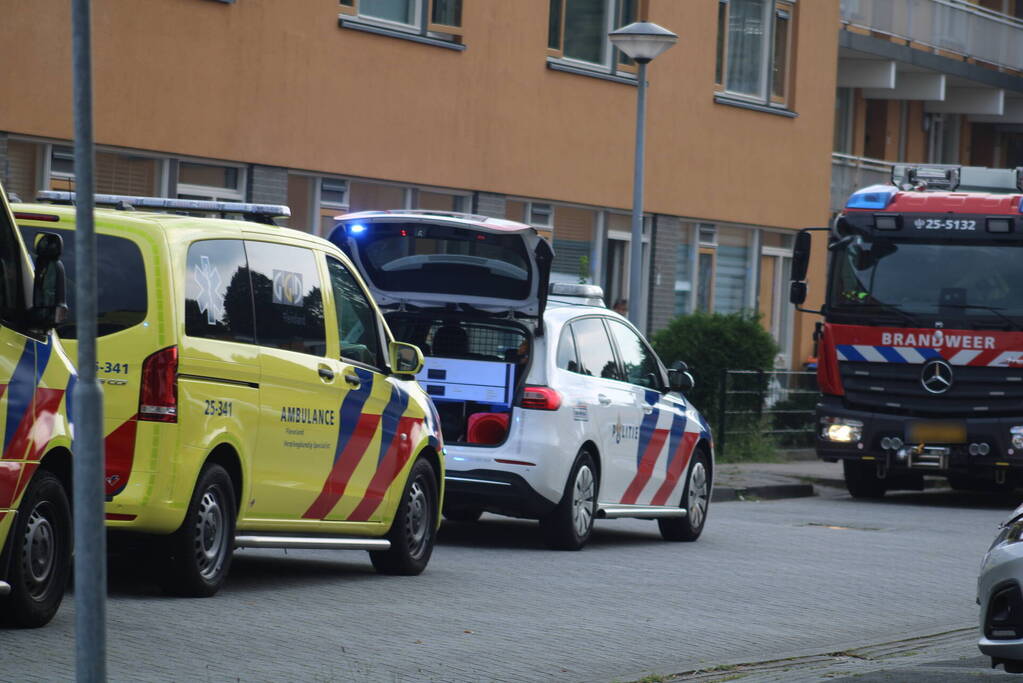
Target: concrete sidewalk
774, 480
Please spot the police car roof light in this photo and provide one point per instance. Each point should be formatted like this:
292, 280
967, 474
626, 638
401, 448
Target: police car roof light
125, 202
873, 197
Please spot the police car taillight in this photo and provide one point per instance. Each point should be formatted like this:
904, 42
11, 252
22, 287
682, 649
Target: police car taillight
158, 395
540, 398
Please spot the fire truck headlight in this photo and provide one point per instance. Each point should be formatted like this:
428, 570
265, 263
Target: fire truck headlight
1017, 437
841, 429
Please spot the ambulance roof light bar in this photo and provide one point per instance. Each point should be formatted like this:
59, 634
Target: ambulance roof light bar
962, 178
259, 213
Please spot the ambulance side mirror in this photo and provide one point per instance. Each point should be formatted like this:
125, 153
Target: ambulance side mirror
49, 286
405, 359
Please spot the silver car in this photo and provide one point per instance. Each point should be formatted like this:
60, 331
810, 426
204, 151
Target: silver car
1000, 596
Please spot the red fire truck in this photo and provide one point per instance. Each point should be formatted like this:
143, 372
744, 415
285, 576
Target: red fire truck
920, 354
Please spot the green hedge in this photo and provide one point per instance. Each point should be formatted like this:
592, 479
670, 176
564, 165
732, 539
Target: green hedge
710, 343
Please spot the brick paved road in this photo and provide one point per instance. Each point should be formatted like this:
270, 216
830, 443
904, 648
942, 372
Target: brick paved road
768, 579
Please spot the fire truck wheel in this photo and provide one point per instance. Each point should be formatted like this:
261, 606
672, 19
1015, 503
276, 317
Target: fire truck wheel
41, 553
199, 552
862, 481
414, 529
569, 526
695, 499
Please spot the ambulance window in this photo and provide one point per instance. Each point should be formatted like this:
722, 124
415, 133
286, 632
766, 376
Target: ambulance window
356, 319
218, 299
288, 297
121, 299
12, 303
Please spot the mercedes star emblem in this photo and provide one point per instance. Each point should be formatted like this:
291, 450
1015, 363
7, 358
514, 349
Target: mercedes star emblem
936, 377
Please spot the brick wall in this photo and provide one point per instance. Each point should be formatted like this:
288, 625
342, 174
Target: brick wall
268, 185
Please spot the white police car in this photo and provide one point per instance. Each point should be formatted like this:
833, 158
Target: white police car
556, 410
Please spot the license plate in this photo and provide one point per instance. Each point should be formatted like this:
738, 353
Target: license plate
936, 432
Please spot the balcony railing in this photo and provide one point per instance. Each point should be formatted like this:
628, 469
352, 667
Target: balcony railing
949, 25
849, 173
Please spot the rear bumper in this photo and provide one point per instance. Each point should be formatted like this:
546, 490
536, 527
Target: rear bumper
495, 491
994, 431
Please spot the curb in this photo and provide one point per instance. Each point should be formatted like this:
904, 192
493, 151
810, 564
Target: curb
772, 492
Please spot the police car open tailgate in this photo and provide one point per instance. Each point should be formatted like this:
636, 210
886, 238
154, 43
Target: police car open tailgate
434, 260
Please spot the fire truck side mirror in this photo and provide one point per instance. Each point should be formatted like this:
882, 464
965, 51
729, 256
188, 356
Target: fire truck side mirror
797, 293
801, 256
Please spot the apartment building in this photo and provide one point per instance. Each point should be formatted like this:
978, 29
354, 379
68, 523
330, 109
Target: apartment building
935, 81
521, 109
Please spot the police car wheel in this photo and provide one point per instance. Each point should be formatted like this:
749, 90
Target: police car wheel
862, 481
414, 529
696, 501
200, 550
41, 547
569, 526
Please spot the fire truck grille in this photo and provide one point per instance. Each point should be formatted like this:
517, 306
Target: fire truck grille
896, 388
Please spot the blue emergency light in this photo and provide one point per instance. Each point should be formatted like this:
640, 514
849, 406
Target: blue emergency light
356, 229
873, 197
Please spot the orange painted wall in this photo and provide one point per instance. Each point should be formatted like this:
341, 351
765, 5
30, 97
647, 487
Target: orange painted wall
279, 83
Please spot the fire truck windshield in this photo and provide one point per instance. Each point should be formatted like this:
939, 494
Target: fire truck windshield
915, 283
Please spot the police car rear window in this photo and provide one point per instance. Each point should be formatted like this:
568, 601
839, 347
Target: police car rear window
439, 259
120, 277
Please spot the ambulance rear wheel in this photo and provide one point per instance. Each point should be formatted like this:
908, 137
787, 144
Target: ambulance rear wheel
199, 552
414, 529
41, 553
862, 481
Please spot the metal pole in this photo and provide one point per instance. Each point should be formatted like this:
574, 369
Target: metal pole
90, 536
636, 257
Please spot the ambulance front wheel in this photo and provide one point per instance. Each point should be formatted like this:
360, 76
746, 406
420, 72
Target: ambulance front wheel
41, 553
199, 552
414, 529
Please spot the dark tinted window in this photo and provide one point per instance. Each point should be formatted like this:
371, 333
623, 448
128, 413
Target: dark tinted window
12, 298
121, 281
566, 351
218, 299
461, 338
439, 258
357, 322
288, 298
594, 347
640, 365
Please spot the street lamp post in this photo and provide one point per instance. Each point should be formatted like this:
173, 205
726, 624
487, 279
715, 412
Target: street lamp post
642, 42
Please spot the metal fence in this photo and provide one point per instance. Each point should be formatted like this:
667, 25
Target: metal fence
950, 25
850, 173
776, 404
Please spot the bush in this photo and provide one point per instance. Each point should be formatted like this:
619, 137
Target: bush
711, 343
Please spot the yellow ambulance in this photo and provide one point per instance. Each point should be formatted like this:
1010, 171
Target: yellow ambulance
36, 379
253, 395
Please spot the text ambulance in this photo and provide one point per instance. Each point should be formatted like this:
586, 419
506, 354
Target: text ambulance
920, 356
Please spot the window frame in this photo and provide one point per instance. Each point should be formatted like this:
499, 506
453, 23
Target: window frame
774, 10
210, 192
614, 62
422, 25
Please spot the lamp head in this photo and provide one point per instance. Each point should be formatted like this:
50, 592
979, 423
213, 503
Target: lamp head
642, 40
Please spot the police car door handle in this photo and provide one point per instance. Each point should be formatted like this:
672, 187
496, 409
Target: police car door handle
647, 408
603, 400
326, 374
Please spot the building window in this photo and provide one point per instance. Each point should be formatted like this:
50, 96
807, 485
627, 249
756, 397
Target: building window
754, 49
433, 18
843, 121
541, 215
209, 181
577, 30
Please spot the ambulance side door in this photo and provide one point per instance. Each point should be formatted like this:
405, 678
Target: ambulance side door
300, 387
